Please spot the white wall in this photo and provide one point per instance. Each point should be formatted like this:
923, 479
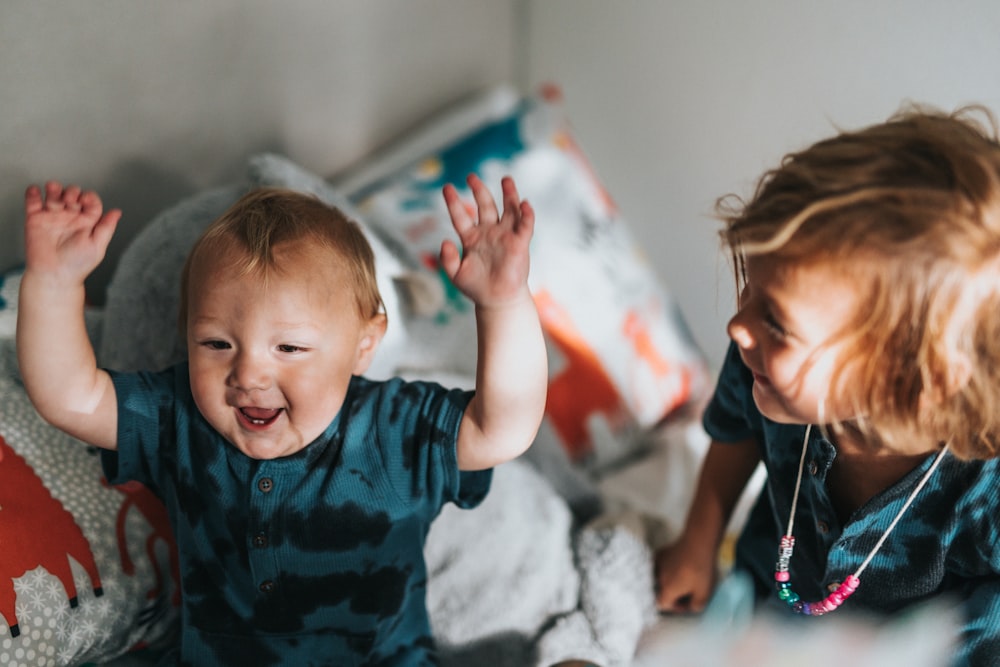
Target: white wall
148, 101
675, 102
679, 102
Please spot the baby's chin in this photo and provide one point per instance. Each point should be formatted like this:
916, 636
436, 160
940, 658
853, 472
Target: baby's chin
266, 452
262, 448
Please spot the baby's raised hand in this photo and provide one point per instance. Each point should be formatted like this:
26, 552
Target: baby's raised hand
66, 232
492, 267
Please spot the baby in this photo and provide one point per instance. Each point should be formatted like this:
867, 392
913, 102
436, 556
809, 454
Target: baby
299, 492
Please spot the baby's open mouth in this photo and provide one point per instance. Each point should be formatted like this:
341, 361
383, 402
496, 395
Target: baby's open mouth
260, 416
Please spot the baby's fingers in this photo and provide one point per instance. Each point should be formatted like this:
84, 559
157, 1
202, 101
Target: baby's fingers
525, 225
32, 200
53, 196
484, 201
105, 227
451, 258
460, 219
91, 205
519, 214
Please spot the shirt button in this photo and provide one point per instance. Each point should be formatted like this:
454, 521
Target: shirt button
265, 484
260, 540
822, 527
266, 586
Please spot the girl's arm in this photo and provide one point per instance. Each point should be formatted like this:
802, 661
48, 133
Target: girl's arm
503, 417
66, 235
686, 569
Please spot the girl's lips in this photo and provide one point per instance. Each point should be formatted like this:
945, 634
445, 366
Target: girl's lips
258, 418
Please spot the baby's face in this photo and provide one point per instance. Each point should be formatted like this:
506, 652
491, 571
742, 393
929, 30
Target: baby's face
270, 363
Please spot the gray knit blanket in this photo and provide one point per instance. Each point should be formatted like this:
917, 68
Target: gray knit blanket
511, 583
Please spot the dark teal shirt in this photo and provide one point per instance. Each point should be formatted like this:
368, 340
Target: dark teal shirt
310, 559
947, 543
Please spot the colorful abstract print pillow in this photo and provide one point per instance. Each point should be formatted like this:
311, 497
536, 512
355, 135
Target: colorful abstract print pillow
621, 357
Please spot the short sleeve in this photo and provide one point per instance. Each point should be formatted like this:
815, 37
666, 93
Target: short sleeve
731, 413
145, 411
416, 432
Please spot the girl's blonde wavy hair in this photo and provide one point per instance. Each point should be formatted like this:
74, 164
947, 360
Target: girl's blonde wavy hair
911, 208
265, 218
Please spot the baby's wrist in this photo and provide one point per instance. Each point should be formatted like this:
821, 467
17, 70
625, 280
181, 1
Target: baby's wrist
49, 281
516, 301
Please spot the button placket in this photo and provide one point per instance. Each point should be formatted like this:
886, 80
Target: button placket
264, 498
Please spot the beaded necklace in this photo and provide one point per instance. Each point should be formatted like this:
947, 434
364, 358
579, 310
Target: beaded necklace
851, 583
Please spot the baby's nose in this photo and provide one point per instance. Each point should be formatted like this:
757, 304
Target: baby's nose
250, 372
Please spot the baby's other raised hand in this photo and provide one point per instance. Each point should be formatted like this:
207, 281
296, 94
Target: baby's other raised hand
66, 231
492, 267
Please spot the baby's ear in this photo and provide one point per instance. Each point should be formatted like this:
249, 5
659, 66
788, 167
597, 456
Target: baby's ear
372, 332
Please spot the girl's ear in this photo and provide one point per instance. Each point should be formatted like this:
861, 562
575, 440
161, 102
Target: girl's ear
372, 332
959, 372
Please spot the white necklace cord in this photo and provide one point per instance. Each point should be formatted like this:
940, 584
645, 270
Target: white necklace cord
899, 515
906, 506
798, 481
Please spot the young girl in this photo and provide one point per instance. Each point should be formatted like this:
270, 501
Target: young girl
864, 372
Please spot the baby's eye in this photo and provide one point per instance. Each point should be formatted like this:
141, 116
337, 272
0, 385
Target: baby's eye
289, 349
216, 344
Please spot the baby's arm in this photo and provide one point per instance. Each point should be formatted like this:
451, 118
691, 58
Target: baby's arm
686, 569
66, 234
502, 419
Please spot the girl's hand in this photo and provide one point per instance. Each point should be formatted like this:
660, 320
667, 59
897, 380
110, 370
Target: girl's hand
492, 268
66, 232
684, 580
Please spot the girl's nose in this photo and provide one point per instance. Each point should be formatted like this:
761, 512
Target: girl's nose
739, 332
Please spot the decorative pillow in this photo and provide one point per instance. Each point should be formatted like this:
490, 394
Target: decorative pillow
621, 357
87, 571
10, 284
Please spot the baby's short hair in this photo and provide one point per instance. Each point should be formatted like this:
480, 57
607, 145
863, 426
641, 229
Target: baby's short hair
267, 217
912, 207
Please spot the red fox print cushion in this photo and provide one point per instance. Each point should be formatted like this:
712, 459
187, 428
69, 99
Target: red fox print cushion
87, 571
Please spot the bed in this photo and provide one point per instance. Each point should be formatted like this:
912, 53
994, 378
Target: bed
556, 564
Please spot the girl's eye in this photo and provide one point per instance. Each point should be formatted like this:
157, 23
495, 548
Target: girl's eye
289, 348
216, 344
773, 327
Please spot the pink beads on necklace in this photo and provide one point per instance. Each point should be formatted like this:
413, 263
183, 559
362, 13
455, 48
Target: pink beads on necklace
792, 599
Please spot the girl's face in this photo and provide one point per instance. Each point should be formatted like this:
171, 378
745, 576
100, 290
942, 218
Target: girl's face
784, 328
270, 363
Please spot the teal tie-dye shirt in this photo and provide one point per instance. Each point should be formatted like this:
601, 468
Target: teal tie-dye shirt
947, 543
310, 559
